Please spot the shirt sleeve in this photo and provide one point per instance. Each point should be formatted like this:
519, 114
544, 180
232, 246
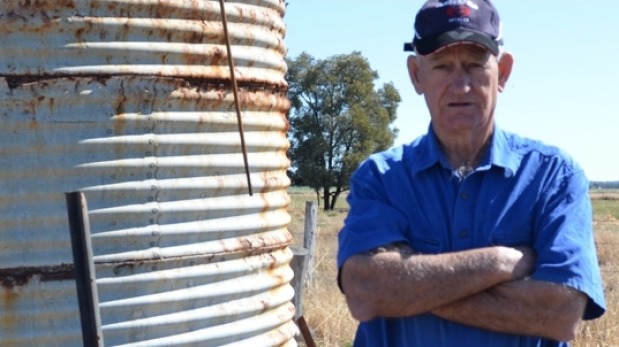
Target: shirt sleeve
372, 221
564, 240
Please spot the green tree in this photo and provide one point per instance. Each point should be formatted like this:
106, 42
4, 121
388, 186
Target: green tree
337, 119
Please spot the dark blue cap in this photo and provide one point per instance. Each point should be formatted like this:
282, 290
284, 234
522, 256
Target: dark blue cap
443, 23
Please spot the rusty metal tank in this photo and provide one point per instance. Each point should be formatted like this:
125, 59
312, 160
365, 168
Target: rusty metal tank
130, 102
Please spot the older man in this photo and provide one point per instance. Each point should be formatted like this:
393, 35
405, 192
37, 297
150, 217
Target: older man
470, 235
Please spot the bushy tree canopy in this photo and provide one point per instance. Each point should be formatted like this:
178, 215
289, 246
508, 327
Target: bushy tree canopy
337, 119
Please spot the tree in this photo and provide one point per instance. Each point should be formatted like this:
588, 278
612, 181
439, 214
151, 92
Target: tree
337, 119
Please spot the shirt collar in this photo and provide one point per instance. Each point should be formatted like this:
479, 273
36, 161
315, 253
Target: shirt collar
502, 153
429, 153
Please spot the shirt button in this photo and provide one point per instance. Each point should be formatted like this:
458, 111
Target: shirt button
464, 195
464, 233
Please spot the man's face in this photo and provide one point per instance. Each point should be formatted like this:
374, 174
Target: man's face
460, 85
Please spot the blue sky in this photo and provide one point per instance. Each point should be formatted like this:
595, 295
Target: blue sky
564, 89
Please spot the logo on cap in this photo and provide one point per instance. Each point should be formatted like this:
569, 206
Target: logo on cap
458, 11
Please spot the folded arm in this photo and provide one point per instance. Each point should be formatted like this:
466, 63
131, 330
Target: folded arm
395, 282
524, 307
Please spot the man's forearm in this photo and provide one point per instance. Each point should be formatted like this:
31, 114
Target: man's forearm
397, 284
524, 307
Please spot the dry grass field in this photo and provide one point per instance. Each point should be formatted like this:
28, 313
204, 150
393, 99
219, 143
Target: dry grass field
325, 310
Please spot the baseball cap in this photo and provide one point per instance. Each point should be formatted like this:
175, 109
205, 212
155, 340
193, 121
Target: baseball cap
443, 23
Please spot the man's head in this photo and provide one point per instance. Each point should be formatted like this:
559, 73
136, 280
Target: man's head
444, 23
459, 68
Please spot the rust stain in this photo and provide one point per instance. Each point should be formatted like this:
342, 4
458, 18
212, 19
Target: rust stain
79, 33
127, 268
119, 123
46, 4
14, 82
119, 119
9, 297
13, 278
20, 276
273, 263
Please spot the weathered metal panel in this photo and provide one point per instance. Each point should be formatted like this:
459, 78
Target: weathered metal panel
129, 102
147, 37
230, 301
136, 169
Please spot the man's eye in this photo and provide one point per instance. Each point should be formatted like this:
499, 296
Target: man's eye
477, 65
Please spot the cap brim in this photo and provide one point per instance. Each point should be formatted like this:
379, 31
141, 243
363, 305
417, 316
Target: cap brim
429, 45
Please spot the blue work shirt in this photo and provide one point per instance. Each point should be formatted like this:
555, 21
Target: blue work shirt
524, 193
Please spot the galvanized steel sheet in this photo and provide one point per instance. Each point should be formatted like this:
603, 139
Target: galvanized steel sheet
130, 103
144, 37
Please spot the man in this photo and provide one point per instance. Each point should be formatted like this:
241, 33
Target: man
469, 235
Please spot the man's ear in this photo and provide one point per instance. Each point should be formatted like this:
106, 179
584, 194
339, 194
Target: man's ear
413, 73
506, 63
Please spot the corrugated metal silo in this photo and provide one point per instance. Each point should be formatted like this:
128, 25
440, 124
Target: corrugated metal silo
130, 102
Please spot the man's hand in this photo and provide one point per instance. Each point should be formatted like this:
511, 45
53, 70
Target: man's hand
519, 261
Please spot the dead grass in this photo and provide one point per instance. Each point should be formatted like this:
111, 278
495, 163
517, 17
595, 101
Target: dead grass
324, 306
604, 332
325, 309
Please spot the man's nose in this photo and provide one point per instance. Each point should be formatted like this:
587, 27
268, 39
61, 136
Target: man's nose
460, 81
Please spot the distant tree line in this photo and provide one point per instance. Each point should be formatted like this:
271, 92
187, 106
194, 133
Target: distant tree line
298, 181
604, 185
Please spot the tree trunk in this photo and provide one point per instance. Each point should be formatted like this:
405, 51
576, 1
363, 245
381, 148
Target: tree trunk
336, 194
326, 195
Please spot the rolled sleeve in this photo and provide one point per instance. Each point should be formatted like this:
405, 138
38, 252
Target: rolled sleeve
565, 242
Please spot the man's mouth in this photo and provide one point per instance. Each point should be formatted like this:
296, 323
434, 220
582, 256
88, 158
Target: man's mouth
459, 104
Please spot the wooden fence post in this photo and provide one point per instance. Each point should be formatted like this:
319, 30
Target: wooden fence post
303, 267
297, 264
301, 263
309, 238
